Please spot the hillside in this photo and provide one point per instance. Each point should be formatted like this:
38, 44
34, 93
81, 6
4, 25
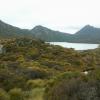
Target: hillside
31, 69
87, 34
9, 31
49, 35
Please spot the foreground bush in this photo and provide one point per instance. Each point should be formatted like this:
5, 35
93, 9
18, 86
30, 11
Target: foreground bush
74, 89
39, 83
4, 95
16, 94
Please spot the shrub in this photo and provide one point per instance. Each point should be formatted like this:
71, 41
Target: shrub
74, 88
38, 83
4, 95
16, 94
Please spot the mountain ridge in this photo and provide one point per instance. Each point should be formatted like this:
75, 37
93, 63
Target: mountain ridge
9, 31
49, 34
88, 34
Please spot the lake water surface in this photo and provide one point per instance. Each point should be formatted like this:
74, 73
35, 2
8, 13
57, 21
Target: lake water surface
76, 46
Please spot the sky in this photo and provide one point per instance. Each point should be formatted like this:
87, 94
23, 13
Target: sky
63, 15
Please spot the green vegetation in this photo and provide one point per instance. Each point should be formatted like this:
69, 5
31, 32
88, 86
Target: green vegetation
75, 88
33, 70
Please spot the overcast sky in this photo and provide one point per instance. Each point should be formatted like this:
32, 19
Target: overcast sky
63, 15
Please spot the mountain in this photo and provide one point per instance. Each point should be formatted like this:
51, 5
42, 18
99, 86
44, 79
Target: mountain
87, 34
39, 32
9, 31
49, 35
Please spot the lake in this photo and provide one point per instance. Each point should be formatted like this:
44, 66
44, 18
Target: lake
76, 46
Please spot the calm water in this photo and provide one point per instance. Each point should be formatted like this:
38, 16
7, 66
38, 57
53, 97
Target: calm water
76, 46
